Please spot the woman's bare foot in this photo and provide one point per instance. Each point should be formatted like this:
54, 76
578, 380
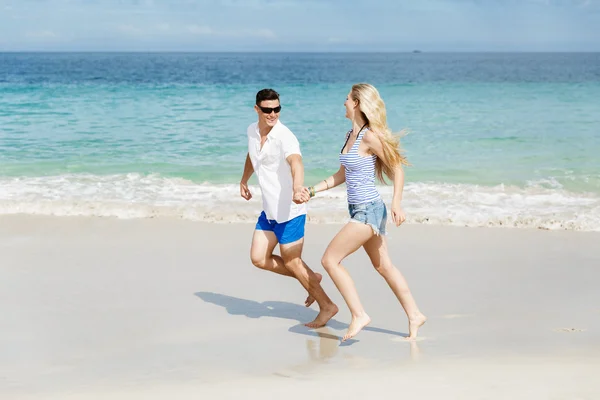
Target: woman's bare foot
414, 324
309, 300
356, 326
324, 316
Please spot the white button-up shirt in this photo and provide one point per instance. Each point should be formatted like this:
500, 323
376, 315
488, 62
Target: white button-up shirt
274, 172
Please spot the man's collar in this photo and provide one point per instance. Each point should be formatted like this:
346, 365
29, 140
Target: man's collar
274, 132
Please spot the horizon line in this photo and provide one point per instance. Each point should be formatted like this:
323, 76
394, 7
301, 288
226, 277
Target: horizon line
416, 51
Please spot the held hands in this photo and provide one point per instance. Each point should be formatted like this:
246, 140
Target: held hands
245, 191
398, 215
301, 195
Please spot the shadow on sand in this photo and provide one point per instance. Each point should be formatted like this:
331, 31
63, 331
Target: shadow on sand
284, 310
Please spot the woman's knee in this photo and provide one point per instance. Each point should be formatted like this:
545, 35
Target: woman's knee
384, 268
329, 262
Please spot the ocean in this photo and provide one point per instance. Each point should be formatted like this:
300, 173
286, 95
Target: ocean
494, 139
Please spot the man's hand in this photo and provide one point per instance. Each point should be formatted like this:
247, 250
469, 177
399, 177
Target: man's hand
244, 191
301, 195
306, 192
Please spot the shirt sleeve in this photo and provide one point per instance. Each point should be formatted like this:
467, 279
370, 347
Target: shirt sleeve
290, 145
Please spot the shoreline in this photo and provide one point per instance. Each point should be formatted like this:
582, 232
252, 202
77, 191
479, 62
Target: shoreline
137, 196
249, 216
20, 218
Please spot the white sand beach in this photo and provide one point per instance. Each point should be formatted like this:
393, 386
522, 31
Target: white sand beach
103, 308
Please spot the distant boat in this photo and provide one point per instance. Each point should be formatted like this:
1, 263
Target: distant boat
417, 51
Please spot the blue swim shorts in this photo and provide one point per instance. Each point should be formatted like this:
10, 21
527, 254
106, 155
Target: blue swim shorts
285, 232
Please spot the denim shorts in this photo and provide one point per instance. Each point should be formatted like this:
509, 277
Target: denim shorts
372, 213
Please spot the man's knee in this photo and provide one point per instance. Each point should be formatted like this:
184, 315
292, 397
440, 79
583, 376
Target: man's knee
291, 253
294, 264
259, 259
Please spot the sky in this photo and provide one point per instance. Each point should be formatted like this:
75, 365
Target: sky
299, 25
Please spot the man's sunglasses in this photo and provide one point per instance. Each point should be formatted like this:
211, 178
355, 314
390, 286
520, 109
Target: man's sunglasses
269, 110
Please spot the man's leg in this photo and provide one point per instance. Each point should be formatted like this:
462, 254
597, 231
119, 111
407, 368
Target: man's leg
261, 253
291, 254
264, 241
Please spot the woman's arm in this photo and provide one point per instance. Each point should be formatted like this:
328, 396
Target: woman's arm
372, 140
334, 180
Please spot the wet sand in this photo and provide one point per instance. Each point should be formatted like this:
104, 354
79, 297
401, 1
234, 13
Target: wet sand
154, 308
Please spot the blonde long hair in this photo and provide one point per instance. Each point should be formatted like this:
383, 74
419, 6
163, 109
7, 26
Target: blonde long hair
372, 107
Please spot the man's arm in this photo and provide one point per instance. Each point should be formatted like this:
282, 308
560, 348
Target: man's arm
297, 168
248, 171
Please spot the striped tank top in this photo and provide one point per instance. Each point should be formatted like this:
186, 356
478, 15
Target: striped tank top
360, 173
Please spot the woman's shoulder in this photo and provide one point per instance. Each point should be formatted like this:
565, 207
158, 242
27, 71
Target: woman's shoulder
370, 135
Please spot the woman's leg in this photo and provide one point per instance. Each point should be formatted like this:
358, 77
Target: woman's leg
347, 241
377, 250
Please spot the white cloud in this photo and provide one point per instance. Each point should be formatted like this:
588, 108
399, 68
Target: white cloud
264, 33
130, 30
565, 3
205, 30
43, 34
200, 30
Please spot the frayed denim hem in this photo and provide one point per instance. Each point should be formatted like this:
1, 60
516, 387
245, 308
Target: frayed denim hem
373, 227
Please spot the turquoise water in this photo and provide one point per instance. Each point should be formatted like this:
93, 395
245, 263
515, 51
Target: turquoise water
494, 139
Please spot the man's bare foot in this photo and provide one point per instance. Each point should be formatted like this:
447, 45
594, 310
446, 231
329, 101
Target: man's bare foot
309, 300
356, 326
324, 316
414, 324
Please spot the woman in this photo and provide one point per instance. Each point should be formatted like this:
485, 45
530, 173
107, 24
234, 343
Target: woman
370, 150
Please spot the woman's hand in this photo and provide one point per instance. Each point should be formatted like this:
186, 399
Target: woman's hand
398, 215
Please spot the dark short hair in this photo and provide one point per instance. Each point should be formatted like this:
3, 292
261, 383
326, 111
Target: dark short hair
266, 94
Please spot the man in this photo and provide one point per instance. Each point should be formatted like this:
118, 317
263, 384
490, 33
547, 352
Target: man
274, 154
